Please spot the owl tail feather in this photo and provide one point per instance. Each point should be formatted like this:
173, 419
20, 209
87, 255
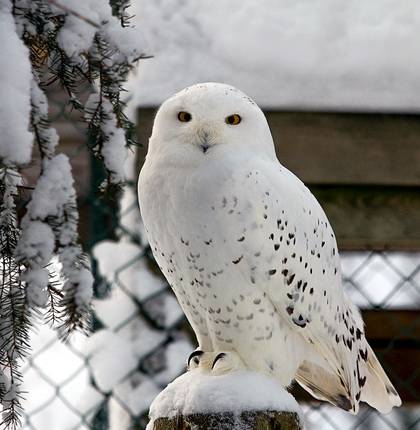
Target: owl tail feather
378, 391
324, 385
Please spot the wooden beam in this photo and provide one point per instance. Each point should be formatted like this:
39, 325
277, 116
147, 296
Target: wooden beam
372, 217
395, 337
339, 148
348, 149
386, 325
145, 118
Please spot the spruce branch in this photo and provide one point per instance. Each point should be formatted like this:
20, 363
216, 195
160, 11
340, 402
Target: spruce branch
31, 287
73, 12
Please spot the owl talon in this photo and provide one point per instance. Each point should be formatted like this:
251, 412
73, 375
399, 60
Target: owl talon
226, 362
194, 359
219, 356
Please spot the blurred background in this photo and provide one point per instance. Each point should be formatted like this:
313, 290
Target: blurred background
340, 84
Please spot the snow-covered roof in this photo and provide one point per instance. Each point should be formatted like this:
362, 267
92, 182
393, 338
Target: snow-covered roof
322, 54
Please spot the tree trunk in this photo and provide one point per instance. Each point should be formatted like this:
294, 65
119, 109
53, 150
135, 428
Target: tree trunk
249, 420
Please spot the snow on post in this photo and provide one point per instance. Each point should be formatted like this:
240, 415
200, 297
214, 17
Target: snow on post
236, 400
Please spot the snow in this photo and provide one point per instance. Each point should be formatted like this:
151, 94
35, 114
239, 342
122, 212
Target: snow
51, 198
144, 340
92, 16
113, 362
50, 223
303, 54
36, 246
137, 393
15, 79
145, 283
115, 309
76, 35
11, 179
112, 256
307, 54
171, 309
84, 280
36, 243
9, 399
48, 135
157, 351
56, 365
121, 263
128, 40
113, 150
199, 392
53, 189
36, 286
47, 360
176, 358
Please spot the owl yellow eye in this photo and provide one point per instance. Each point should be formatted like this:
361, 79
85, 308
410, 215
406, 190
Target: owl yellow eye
234, 119
184, 116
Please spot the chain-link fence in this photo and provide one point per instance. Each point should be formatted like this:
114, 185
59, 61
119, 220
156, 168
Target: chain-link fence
141, 340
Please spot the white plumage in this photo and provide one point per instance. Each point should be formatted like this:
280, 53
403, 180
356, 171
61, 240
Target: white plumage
249, 252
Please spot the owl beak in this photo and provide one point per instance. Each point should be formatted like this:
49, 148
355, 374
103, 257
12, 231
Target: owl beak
204, 142
204, 147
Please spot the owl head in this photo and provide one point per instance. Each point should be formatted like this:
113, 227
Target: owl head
206, 121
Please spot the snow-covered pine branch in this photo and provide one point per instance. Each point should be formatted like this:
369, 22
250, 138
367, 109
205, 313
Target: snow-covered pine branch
73, 42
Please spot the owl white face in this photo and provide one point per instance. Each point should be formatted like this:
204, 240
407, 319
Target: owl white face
204, 120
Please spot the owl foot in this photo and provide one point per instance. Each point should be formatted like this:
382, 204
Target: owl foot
201, 360
216, 363
219, 356
226, 362
194, 359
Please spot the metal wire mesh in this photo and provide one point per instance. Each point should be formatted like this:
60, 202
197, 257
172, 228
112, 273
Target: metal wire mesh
141, 339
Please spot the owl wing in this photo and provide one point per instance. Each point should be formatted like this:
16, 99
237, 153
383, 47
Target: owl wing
288, 249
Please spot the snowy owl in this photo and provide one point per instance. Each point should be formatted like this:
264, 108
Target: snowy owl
249, 252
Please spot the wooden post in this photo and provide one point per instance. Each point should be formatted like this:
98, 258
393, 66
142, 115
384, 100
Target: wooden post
238, 400
250, 420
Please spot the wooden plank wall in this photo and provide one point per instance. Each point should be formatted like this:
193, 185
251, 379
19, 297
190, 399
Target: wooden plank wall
363, 168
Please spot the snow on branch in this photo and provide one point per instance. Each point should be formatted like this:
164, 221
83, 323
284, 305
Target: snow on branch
75, 42
15, 84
